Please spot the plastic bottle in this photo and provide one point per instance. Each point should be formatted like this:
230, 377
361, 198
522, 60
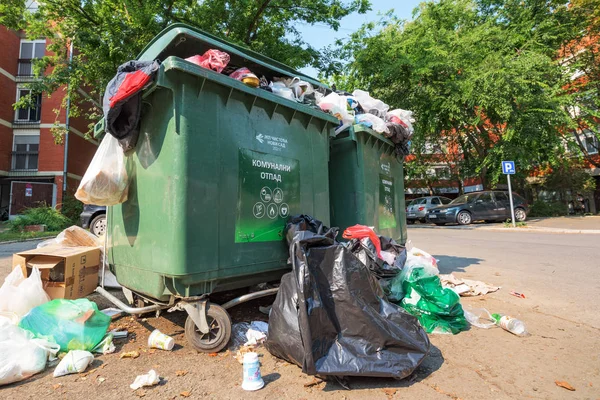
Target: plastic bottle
513, 325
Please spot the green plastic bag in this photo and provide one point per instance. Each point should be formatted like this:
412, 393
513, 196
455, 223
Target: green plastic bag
438, 309
72, 324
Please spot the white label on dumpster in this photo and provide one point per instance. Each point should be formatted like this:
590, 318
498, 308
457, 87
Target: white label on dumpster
276, 143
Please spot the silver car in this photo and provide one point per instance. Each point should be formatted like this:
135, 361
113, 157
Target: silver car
417, 208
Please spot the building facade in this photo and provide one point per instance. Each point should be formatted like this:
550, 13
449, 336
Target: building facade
32, 166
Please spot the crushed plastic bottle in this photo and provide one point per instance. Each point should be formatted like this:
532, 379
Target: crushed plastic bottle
513, 325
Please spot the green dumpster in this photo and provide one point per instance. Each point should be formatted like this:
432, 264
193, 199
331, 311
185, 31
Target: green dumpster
217, 169
366, 183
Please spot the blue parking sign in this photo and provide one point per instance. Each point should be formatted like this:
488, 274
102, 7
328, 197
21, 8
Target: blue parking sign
508, 167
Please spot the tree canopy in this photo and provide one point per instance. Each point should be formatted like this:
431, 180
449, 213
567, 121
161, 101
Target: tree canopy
107, 33
486, 78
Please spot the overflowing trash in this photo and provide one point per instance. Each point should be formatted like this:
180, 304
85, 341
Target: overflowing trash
75, 362
466, 287
159, 340
18, 294
510, 324
438, 309
21, 354
252, 378
149, 379
72, 324
212, 59
322, 329
105, 182
248, 334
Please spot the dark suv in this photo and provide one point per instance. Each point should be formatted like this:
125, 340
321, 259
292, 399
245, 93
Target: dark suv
94, 218
487, 205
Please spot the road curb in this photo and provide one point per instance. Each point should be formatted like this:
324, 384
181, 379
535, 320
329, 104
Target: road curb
27, 240
502, 229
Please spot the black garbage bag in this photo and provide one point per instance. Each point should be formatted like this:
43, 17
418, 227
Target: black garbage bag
330, 316
122, 102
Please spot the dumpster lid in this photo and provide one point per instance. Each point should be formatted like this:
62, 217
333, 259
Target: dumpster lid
184, 41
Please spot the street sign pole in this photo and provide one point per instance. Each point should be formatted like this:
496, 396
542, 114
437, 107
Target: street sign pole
510, 196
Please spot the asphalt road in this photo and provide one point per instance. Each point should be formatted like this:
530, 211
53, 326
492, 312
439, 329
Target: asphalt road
556, 272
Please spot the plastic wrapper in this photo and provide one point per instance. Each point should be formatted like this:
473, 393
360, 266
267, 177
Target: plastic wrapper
18, 295
21, 355
281, 90
360, 232
248, 334
438, 309
213, 59
246, 76
149, 379
373, 122
479, 317
105, 182
330, 309
418, 257
371, 105
73, 324
75, 362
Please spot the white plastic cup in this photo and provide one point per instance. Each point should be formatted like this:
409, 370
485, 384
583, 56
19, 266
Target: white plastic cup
252, 378
159, 340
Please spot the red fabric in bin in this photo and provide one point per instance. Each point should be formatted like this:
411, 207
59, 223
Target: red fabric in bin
133, 82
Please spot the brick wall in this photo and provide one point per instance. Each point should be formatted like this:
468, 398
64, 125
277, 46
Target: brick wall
51, 156
11, 43
81, 152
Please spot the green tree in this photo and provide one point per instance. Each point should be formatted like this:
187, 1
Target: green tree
107, 33
483, 77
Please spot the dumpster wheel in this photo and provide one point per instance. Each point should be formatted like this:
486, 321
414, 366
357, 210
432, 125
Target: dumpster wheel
219, 332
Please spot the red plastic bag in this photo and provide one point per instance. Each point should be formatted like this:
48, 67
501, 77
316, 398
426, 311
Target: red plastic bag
360, 232
213, 59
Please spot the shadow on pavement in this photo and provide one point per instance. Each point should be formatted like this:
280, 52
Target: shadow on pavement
448, 264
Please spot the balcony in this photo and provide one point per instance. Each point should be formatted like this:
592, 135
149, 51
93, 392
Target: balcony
26, 124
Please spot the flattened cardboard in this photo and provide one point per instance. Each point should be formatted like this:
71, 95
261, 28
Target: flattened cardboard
80, 264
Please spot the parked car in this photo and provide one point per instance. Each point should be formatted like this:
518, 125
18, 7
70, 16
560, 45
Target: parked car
417, 208
94, 218
487, 205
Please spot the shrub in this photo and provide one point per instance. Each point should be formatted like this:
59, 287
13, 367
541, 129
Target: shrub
540, 208
44, 215
72, 209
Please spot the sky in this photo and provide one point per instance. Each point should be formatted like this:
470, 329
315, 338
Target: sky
320, 35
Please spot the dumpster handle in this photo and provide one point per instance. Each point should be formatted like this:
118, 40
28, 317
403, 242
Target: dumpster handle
248, 297
124, 307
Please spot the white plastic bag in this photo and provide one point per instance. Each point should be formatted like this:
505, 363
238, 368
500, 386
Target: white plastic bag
337, 106
405, 116
372, 121
369, 104
75, 362
19, 294
105, 182
149, 379
418, 257
22, 356
281, 90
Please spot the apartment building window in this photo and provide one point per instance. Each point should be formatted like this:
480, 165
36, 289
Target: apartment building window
30, 50
29, 114
25, 152
590, 141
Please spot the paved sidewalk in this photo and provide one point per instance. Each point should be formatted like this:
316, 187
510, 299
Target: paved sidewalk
582, 225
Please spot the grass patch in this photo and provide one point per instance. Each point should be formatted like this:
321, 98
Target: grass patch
508, 224
10, 236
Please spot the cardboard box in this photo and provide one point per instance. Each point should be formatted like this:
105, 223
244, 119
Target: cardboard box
67, 272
